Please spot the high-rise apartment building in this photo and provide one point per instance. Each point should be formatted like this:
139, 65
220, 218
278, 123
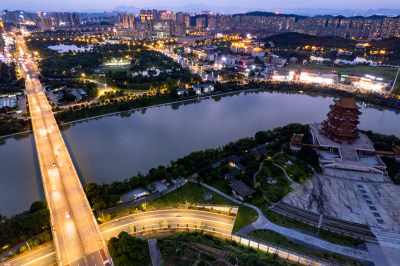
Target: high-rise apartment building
131, 21
200, 22
125, 23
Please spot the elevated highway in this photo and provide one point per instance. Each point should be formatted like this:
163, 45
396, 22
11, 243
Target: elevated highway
77, 237
144, 222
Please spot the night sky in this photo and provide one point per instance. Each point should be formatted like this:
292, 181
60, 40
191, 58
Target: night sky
270, 5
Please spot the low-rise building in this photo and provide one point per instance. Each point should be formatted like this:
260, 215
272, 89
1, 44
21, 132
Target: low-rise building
10, 101
241, 191
133, 34
206, 54
257, 52
203, 88
259, 151
367, 83
182, 91
319, 77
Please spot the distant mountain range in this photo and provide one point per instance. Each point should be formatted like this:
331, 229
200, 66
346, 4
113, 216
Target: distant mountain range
191, 8
197, 8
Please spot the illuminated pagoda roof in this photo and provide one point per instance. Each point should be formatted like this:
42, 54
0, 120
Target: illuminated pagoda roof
347, 103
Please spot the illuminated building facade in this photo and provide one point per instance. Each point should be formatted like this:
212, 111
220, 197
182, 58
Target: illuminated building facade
200, 22
125, 23
367, 83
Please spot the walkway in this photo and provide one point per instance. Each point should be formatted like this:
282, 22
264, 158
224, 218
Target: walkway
294, 184
264, 223
256, 173
154, 252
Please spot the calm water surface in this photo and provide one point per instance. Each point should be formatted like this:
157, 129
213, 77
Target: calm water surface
117, 147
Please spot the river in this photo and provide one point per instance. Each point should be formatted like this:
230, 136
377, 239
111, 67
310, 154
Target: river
117, 147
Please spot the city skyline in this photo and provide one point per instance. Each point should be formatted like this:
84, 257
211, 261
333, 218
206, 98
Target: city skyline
144, 134
235, 6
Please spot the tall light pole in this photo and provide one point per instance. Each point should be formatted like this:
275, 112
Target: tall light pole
394, 83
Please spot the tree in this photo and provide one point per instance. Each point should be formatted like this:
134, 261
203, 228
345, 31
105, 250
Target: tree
128, 250
91, 189
308, 155
191, 92
37, 206
22, 249
173, 93
261, 137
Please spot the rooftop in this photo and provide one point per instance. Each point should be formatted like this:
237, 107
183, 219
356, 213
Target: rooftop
347, 103
242, 189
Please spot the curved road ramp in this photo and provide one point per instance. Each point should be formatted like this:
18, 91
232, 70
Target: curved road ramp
142, 224
148, 223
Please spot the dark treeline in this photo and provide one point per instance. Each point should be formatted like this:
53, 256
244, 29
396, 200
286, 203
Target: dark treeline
382, 142
10, 125
294, 40
9, 80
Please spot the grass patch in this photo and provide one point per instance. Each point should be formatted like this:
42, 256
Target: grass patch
279, 239
384, 72
193, 193
298, 171
287, 222
222, 185
339, 239
326, 235
245, 217
274, 192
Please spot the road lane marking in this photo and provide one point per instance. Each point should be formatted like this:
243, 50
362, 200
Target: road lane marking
32, 261
188, 218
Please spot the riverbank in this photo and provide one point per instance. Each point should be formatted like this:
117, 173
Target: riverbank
85, 113
121, 106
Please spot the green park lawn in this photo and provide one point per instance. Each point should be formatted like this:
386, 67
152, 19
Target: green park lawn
384, 72
274, 192
298, 171
193, 194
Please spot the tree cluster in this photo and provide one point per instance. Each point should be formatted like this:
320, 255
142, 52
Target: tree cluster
127, 250
23, 226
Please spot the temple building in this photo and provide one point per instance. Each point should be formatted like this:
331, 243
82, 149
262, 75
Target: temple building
341, 125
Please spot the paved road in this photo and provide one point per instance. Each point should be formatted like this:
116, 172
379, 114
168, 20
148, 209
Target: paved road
77, 238
152, 220
43, 256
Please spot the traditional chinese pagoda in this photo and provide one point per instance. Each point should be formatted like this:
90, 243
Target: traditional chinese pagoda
342, 121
